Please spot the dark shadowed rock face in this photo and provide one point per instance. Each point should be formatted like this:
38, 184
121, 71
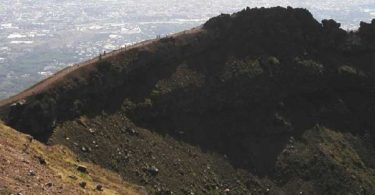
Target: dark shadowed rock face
271, 92
366, 32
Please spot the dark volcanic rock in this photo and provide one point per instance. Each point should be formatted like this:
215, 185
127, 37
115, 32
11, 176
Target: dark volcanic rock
99, 187
153, 170
366, 32
82, 169
82, 184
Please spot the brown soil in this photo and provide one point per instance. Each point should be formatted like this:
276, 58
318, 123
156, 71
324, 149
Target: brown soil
29, 167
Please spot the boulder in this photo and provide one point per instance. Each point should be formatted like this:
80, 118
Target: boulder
82, 184
82, 169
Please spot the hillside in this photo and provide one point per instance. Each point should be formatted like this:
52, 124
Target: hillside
29, 167
263, 101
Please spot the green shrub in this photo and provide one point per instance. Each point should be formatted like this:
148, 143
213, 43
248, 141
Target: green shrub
248, 68
347, 70
310, 66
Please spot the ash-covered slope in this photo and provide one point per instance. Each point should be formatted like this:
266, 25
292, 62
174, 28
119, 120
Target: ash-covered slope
29, 167
261, 101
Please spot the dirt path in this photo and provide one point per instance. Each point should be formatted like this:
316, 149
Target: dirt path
44, 84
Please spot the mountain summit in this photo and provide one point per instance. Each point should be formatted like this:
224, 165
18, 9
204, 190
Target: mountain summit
263, 101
